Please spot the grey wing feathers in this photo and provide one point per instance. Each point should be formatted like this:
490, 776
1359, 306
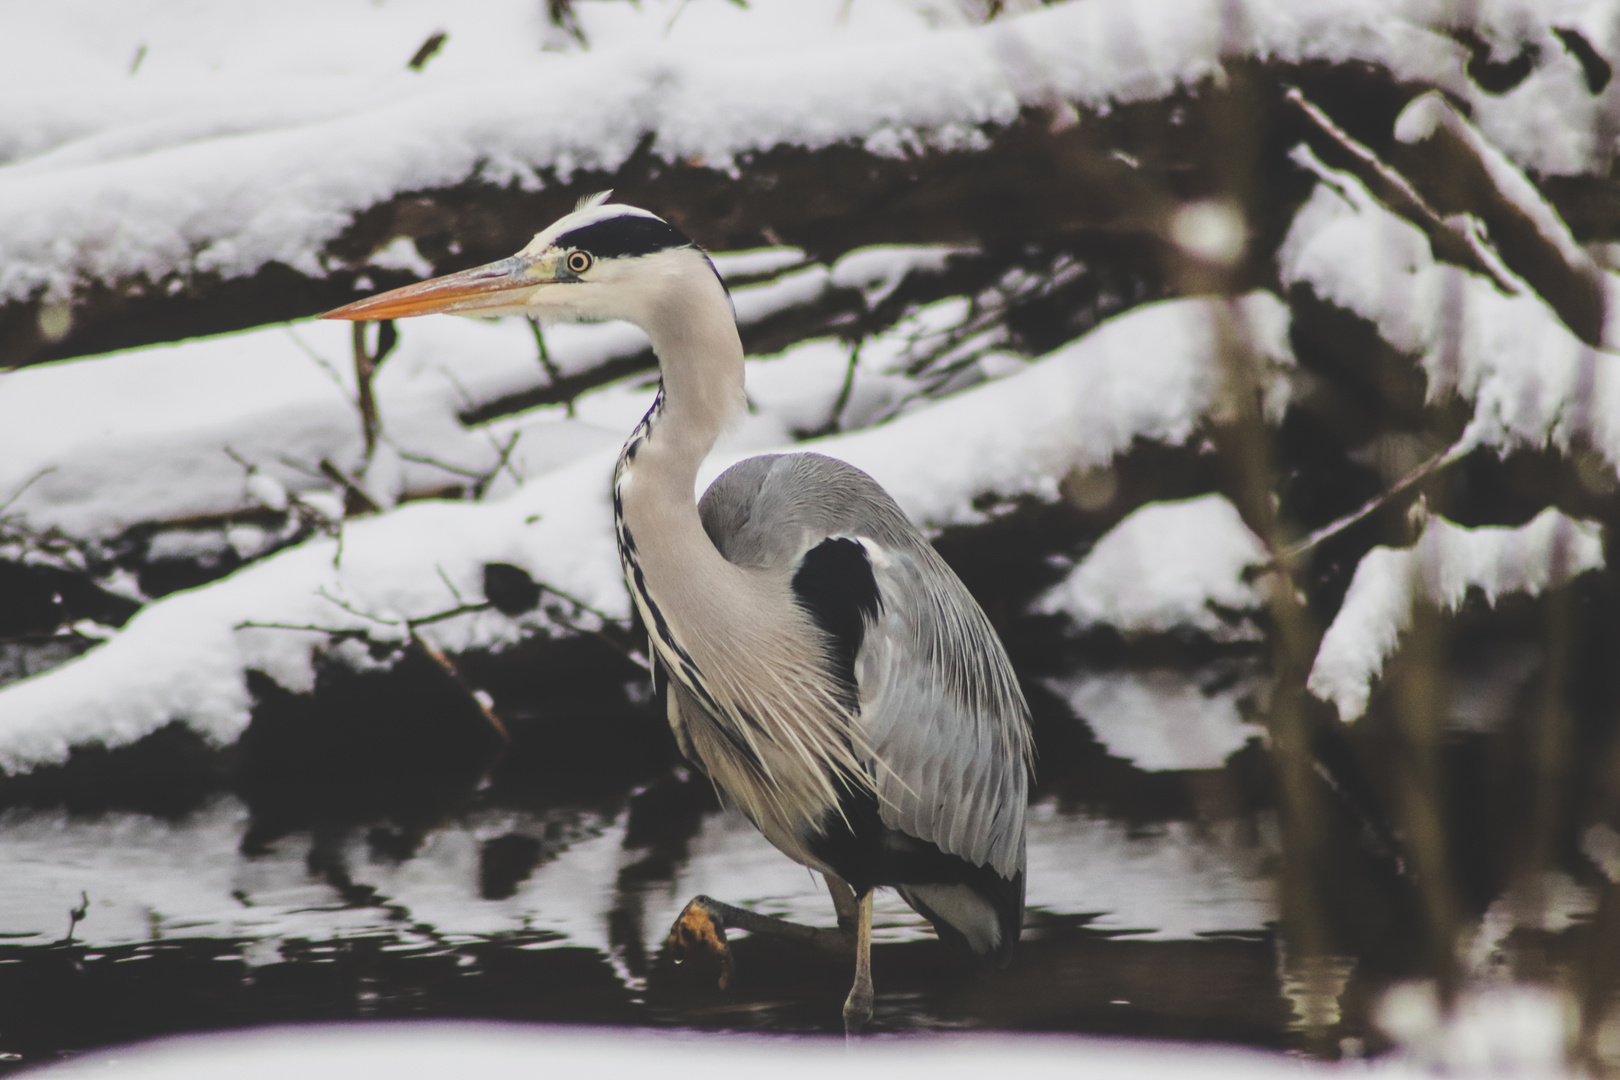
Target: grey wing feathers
940, 707
945, 716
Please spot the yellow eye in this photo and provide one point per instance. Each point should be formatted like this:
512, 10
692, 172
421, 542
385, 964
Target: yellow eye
579, 262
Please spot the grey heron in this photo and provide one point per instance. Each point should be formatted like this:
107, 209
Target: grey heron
824, 667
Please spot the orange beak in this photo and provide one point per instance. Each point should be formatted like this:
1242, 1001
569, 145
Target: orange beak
493, 289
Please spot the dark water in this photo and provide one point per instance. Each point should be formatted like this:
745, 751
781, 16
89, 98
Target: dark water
371, 852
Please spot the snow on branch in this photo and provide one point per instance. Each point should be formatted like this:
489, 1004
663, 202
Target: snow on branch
232, 178
1440, 569
1524, 229
1151, 373
1532, 382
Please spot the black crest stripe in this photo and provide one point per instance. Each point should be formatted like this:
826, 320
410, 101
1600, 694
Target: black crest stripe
625, 235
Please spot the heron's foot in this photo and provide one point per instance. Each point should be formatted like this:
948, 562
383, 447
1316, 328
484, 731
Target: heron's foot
857, 1009
700, 930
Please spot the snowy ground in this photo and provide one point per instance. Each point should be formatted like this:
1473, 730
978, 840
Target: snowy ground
432, 1050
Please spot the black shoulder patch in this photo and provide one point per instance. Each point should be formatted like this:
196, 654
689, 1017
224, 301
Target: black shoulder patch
624, 235
835, 585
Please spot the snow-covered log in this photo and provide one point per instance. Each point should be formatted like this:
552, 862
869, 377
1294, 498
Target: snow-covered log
1530, 380
181, 431
132, 206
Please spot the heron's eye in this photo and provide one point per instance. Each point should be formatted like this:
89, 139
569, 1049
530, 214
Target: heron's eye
579, 261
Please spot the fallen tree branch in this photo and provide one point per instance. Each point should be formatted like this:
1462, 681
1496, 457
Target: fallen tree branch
1456, 239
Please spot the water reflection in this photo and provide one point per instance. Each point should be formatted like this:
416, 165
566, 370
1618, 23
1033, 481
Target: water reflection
150, 879
1120, 931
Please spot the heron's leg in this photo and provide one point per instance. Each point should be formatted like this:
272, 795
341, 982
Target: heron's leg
844, 902
858, 1008
701, 927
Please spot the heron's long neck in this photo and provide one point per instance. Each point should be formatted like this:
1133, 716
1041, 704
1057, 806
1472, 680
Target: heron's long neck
695, 338
660, 534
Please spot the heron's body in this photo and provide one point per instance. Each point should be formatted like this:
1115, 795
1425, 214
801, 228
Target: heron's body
825, 668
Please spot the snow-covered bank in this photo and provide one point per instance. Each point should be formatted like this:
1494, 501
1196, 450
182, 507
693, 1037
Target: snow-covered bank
428, 1050
1149, 374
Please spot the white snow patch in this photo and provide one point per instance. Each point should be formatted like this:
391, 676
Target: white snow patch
426, 1050
1447, 561
1497, 1030
772, 260
401, 254
878, 271
1167, 566
1150, 373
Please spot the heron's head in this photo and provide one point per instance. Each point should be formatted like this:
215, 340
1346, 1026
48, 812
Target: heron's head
603, 261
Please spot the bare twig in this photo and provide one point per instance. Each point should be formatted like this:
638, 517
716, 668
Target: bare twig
350, 486
26, 484
1450, 454
324, 364
76, 916
433, 653
553, 372
444, 577
458, 470
835, 422
364, 369
502, 461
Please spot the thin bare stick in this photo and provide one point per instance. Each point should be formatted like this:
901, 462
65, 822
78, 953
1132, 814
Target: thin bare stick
552, 371
349, 485
1450, 454
433, 653
502, 461
457, 470
364, 368
835, 422
330, 631
1450, 235
30, 482
322, 362
455, 592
